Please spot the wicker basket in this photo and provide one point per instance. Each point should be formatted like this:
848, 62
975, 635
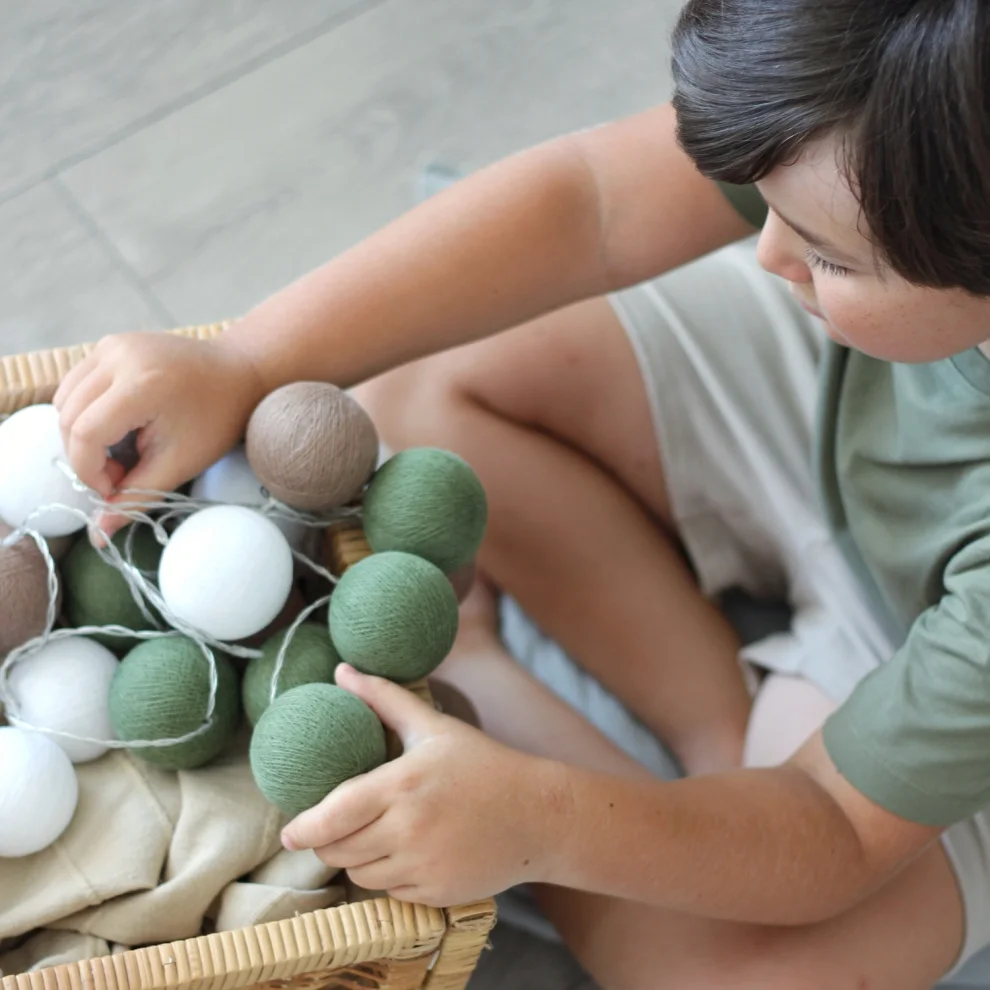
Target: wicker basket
372, 943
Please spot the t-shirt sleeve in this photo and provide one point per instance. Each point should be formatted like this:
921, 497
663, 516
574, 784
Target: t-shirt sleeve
914, 737
748, 202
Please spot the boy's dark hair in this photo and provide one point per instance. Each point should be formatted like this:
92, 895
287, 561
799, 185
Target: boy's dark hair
905, 85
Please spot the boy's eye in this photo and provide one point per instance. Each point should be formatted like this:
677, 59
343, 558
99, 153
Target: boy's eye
815, 260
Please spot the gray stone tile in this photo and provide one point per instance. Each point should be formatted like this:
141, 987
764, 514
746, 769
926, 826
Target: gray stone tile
222, 203
58, 283
75, 73
519, 961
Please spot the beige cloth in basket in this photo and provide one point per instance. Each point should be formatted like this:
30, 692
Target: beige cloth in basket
152, 857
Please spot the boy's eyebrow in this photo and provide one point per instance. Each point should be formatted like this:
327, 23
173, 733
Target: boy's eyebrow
816, 242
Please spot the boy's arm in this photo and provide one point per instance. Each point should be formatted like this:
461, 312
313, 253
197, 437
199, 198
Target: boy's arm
570, 219
574, 218
790, 845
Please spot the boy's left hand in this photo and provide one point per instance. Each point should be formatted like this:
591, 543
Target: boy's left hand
458, 817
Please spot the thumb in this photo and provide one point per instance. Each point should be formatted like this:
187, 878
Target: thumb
409, 717
151, 477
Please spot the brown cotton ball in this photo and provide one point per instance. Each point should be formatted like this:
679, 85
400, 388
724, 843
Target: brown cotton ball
463, 580
23, 592
59, 546
312, 446
295, 603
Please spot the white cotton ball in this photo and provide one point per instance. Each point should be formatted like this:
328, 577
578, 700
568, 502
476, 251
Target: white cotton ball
30, 447
39, 792
232, 481
65, 687
227, 571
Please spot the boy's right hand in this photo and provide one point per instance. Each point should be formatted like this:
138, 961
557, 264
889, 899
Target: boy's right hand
189, 402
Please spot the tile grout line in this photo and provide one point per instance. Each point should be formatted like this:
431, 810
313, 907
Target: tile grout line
103, 241
297, 41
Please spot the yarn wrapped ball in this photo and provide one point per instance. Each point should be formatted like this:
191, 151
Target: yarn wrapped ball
96, 593
65, 687
23, 592
309, 659
32, 453
294, 604
428, 502
161, 691
231, 481
309, 741
313, 447
227, 571
462, 580
394, 615
39, 792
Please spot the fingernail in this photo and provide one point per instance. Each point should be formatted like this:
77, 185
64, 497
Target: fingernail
287, 842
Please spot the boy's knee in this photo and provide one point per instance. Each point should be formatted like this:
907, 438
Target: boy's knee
769, 959
411, 404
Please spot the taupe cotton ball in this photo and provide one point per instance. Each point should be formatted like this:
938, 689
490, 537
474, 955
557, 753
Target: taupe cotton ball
23, 592
462, 580
312, 446
59, 546
294, 604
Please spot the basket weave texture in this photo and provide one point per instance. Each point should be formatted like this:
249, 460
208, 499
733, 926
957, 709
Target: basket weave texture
373, 943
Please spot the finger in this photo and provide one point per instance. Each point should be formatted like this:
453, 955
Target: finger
89, 391
380, 875
72, 379
408, 893
364, 846
136, 488
353, 806
97, 427
408, 716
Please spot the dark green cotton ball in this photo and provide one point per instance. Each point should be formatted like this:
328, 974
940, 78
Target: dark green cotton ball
310, 659
309, 741
96, 593
161, 691
394, 615
428, 502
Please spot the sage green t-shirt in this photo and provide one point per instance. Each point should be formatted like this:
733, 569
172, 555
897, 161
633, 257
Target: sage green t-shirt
903, 463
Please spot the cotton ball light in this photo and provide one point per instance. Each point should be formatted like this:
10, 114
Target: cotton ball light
96, 592
39, 792
232, 480
227, 571
312, 446
428, 502
309, 659
394, 615
295, 603
162, 691
23, 591
30, 449
463, 579
65, 687
309, 741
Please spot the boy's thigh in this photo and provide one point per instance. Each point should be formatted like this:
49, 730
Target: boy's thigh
571, 374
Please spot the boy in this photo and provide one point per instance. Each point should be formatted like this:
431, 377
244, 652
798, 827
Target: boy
653, 442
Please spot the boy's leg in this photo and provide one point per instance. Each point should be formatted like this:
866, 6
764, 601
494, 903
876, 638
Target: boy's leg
904, 937
555, 419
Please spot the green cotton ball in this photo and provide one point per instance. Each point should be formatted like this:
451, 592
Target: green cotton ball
310, 658
309, 741
97, 594
161, 691
394, 615
428, 502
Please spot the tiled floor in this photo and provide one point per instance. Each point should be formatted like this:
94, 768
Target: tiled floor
176, 162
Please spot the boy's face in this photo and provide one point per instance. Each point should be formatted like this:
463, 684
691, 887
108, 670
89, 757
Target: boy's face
813, 239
